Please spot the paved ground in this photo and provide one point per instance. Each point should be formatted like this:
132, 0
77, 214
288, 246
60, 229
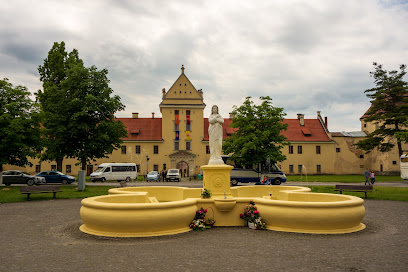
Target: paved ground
44, 236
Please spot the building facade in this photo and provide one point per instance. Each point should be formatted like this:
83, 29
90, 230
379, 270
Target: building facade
179, 139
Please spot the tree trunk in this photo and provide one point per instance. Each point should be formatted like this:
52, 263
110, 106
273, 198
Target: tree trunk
399, 150
83, 162
1, 174
59, 164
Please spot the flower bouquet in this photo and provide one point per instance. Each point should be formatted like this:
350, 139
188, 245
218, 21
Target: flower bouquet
200, 221
251, 215
209, 222
205, 193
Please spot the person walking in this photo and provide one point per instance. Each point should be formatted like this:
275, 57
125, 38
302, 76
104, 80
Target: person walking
372, 177
367, 176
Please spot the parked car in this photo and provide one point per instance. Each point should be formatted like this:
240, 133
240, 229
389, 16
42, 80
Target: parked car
114, 171
56, 177
153, 176
20, 177
274, 176
173, 174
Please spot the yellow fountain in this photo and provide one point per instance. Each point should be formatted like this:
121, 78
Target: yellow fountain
163, 210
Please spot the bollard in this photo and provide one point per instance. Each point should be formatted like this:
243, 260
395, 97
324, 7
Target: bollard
81, 180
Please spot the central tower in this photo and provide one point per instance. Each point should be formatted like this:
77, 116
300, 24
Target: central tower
182, 110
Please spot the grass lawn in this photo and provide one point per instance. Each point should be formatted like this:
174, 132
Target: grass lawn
379, 192
341, 178
12, 193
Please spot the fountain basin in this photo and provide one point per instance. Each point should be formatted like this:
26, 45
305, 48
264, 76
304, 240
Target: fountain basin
129, 215
313, 213
225, 204
162, 210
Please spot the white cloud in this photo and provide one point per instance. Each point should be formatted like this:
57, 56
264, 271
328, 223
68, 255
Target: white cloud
307, 55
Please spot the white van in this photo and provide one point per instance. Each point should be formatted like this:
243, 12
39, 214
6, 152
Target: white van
114, 171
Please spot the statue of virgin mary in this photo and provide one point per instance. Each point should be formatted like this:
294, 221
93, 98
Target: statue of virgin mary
215, 134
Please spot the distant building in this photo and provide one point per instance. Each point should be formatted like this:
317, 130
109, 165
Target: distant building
180, 140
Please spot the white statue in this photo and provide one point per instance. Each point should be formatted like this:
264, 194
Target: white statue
215, 133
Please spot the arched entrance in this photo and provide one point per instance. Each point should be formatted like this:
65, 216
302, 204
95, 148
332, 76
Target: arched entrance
184, 168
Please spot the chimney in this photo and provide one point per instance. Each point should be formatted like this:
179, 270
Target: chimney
318, 114
232, 115
164, 92
325, 120
152, 115
135, 115
182, 69
301, 118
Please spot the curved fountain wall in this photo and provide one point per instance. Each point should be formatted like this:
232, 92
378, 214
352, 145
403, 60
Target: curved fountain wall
162, 210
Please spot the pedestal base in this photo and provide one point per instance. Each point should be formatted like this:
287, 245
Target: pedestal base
217, 179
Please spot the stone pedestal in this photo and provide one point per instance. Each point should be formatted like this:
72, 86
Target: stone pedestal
217, 179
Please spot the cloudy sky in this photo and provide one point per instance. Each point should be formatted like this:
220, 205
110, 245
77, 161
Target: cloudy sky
308, 56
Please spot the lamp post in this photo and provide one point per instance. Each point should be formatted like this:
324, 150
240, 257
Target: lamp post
147, 164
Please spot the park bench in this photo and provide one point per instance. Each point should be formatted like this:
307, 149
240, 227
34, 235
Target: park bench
54, 189
354, 188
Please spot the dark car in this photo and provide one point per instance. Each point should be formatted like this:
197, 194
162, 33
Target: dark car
20, 177
56, 177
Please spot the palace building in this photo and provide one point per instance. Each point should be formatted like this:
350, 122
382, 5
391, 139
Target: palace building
179, 139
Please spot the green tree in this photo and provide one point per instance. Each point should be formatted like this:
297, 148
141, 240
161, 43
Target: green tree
403, 135
53, 100
20, 135
78, 108
258, 136
93, 130
389, 108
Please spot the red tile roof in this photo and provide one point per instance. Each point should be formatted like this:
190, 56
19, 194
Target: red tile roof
226, 129
143, 129
312, 131
298, 133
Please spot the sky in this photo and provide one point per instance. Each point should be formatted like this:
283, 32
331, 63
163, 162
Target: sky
308, 56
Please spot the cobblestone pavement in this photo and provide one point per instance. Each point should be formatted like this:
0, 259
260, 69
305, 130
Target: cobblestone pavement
44, 236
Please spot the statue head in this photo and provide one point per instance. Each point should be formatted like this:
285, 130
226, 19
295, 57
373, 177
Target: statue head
214, 109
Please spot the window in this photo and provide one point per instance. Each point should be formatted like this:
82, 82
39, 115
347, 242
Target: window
68, 168
53, 168
207, 149
164, 166
319, 168
338, 149
291, 149
176, 112
394, 162
156, 167
187, 112
188, 145
38, 168
176, 145
361, 166
123, 168
177, 127
299, 149
317, 149
138, 149
365, 125
361, 156
155, 149
188, 126
123, 147
138, 168
291, 168
300, 167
